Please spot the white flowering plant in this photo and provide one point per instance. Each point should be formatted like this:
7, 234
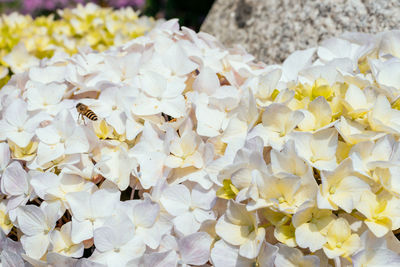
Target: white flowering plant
198, 156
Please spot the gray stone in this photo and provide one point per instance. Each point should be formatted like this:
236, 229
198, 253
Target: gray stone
272, 29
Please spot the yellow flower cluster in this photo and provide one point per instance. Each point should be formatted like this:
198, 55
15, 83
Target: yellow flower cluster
24, 40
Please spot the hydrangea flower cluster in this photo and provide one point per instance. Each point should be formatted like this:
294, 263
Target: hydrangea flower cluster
200, 156
24, 40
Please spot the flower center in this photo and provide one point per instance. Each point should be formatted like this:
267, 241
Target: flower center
20, 129
314, 220
114, 107
332, 190
250, 228
116, 250
313, 159
339, 244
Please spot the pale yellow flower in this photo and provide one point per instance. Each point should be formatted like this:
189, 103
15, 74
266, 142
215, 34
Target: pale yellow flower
340, 240
382, 212
25, 40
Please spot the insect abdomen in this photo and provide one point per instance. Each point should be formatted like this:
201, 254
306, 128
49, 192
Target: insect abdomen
91, 115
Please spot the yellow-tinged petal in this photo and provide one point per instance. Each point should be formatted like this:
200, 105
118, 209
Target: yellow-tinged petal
276, 218
352, 244
286, 235
342, 151
23, 153
228, 190
321, 88
5, 222
338, 232
102, 129
232, 233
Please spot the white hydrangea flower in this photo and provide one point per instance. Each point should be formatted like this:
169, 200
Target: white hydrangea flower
318, 149
61, 243
16, 124
116, 243
15, 184
89, 211
151, 155
19, 59
149, 227
278, 121
200, 156
61, 137
240, 228
47, 97
341, 188
189, 207
4, 157
375, 252
288, 256
116, 164
37, 224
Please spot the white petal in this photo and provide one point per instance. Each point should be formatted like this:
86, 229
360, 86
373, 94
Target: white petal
389, 74
195, 248
16, 201
161, 259
225, 255
296, 62
104, 202
47, 74
308, 236
176, 199
231, 233
174, 107
35, 246
145, 213
105, 239
14, 180
146, 106
376, 258
207, 81
16, 114
116, 121
176, 57
43, 181
80, 205
77, 142
251, 248
203, 215
47, 153
186, 224
81, 230
22, 139
11, 259
31, 220
48, 135
4, 155
55, 259
152, 168
202, 198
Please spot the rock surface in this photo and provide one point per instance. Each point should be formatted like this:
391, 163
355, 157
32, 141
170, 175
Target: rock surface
272, 29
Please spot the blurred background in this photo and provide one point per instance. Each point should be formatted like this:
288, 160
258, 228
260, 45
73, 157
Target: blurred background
190, 13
